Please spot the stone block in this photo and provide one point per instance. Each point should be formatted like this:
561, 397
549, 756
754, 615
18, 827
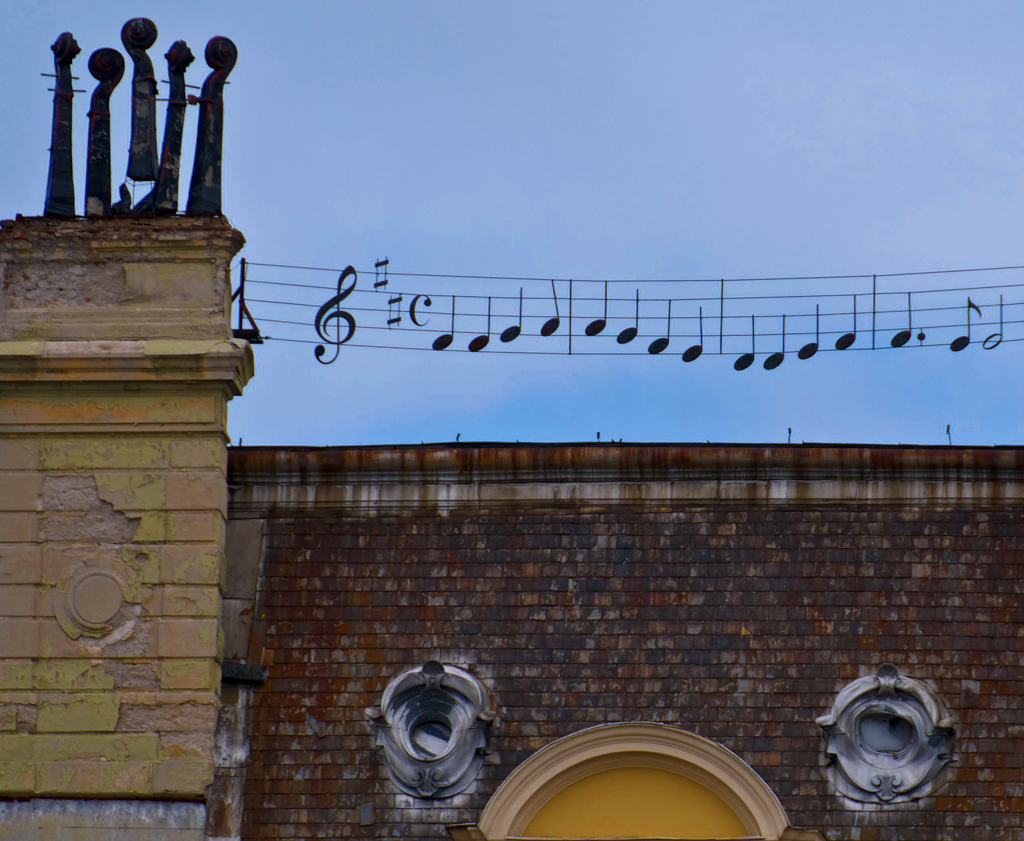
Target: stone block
182, 777
16, 778
15, 674
71, 675
17, 747
189, 745
20, 563
18, 600
195, 526
197, 490
19, 491
19, 455
17, 527
94, 777
190, 601
132, 491
108, 747
196, 451
193, 715
20, 637
78, 713
190, 674
152, 527
190, 564
139, 641
110, 453
187, 637
154, 285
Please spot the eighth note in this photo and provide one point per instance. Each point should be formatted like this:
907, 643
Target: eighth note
960, 342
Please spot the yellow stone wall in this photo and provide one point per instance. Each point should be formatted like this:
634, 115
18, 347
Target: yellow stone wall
116, 366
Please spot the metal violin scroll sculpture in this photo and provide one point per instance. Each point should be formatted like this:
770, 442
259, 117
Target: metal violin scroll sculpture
107, 67
138, 35
164, 197
204, 192
60, 185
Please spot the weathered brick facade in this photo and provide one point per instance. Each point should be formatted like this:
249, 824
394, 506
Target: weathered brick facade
729, 591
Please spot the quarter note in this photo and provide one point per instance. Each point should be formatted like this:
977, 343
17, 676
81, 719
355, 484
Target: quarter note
627, 335
997, 336
777, 358
960, 342
901, 338
551, 325
847, 339
811, 348
694, 351
747, 359
480, 342
510, 334
598, 324
658, 345
445, 339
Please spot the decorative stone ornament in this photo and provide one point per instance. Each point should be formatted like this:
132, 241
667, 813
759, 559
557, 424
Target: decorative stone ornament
432, 726
95, 599
888, 739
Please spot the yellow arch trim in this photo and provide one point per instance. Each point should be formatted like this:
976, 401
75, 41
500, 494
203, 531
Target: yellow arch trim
566, 761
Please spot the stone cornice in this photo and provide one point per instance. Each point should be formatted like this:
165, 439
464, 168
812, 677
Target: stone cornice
156, 362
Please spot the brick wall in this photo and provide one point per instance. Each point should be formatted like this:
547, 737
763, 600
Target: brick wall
737, 621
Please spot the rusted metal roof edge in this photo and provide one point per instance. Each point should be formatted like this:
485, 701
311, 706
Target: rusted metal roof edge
501, 463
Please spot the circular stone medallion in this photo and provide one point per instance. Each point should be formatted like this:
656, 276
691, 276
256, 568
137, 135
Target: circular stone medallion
95, 598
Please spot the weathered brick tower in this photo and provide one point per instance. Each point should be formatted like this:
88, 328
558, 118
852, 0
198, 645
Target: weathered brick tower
116, 365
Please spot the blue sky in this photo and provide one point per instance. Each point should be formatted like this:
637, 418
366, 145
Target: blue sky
592, 139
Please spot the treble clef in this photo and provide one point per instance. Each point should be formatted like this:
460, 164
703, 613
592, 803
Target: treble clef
330, 312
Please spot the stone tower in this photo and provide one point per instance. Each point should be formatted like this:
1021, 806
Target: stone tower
117, 362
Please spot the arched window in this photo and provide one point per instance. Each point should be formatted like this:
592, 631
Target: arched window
640, 780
